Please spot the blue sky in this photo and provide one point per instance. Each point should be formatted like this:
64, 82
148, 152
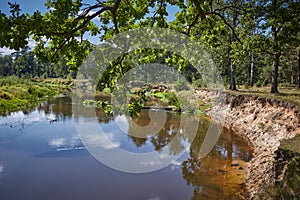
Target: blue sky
28, 6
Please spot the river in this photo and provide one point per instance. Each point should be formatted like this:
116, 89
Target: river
42, 157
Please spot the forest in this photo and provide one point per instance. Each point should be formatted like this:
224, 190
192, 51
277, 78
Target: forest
251, 43
24, 64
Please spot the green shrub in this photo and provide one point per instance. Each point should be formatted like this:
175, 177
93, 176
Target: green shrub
107, 90
181, 84
198, 83
258, 84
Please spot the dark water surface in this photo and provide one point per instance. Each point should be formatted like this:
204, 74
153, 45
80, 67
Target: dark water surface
42, 158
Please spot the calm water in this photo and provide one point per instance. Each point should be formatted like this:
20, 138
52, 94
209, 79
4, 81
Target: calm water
42, 157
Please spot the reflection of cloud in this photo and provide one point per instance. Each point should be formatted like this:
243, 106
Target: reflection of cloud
122, 123
58, 142
104, 141
1, 168
176, 163
164, 155
19, 118
151, 162
62, 144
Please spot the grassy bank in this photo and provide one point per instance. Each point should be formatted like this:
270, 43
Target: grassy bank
17, 94
289, 94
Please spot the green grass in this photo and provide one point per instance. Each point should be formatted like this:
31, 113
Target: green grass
292, 145
289, 94
13, 80
17, 93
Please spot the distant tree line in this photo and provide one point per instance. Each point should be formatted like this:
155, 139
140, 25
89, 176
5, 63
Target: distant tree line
25, 64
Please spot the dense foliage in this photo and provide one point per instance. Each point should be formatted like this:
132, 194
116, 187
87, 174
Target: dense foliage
252, 42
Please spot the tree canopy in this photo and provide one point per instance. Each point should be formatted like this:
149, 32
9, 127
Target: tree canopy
249, 41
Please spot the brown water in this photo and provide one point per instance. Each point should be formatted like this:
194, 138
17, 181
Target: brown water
42, 157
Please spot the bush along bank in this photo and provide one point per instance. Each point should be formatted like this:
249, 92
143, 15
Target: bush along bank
152, 97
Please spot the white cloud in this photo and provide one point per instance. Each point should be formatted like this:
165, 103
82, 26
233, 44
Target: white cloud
1, 168
8, 51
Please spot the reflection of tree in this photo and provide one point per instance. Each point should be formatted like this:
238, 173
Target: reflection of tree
177, 129
102, 116
88, 113
213, 176
160, 140
184, 128
138, 141
197, 141
62, 107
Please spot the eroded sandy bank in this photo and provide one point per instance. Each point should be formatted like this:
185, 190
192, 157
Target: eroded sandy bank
264, 122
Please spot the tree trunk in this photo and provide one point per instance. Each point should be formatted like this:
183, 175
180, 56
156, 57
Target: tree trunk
276, 56
251, 70
232, 76
299, 69
232, 65
274, 88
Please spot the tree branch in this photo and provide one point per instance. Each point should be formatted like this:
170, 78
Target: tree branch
199, 9
71, 33
225, 22
193, 24
114, 15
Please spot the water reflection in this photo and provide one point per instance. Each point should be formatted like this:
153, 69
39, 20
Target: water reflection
65, 144
60, 108
220, 175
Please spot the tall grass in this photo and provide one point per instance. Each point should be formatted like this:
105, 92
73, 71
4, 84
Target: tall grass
13, 80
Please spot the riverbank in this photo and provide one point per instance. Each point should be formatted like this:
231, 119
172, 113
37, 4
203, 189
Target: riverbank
17, 94
264, 122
